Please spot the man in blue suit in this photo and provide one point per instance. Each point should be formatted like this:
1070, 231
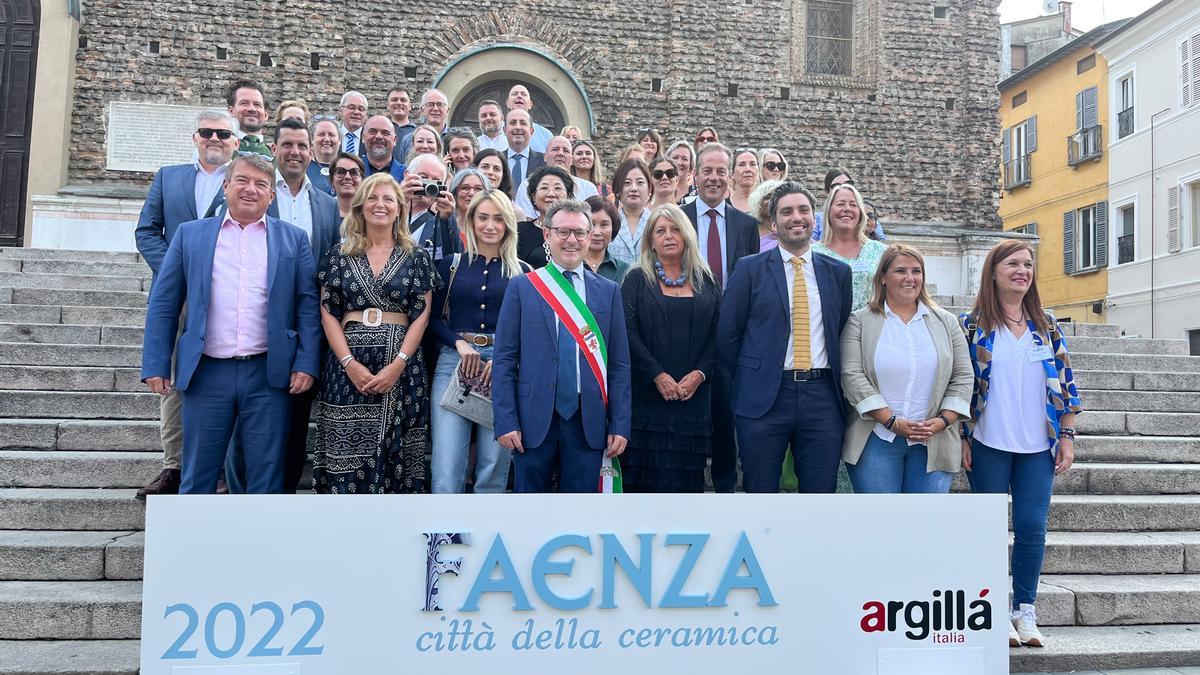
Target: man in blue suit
780, 325
180, 193
557, 412
251, 335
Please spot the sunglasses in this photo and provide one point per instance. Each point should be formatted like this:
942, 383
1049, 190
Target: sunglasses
706, 139
581, 141
659, 174
342, 171
775, 166
222, 134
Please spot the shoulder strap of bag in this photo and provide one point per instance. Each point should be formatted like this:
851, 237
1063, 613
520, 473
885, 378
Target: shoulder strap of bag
453, 273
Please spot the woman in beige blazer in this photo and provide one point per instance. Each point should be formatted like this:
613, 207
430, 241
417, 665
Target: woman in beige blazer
906, 372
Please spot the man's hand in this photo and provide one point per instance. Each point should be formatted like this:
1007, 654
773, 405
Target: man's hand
616, 445
159, 385
444, 205
511, 441
301, 382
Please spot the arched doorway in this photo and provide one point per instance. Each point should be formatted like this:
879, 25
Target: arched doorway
19, 21
466, 107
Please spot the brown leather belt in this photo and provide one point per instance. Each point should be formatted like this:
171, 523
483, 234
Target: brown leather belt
373, 316
479, 339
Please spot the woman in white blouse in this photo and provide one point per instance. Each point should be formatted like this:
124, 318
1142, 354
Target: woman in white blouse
906, 372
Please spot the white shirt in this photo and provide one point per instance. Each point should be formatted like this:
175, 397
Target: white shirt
1014, 418
581, 289
498, 143
905, 364
816, 330
357, 138
702, 221
294, 208
416, 234
583, 189
207, 186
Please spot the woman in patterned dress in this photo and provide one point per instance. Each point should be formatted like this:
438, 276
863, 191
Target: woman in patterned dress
373, 421
845, 238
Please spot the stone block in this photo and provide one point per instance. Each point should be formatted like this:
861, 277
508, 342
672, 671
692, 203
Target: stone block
70, 255
1190, 541
1141, 479
41, 296
10, 265
26, 354
105, 316
79, 405
1100, 422
1101, 379
70, 281
1112, 553
1151, 449
1142, 401
28, 434
70, 610
129, 379
1166, 381
51, 333
123, 557
122, 335
1124, 513
1146, 346
109, 435
1105, 330
65, 469
1055, 606
1135, 362
69, 657
99, 268
47, 555
30, 313
1162, 423
57, 378
1107, 600
1073, 648
69, 509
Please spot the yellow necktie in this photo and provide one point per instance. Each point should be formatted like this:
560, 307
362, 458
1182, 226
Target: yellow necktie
801, 342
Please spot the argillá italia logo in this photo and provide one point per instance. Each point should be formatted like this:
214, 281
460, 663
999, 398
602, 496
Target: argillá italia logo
947, 616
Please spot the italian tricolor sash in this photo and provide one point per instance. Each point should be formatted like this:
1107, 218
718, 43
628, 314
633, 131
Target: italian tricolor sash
575, 315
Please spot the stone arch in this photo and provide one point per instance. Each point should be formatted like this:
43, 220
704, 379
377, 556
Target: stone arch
19, 24
473, 68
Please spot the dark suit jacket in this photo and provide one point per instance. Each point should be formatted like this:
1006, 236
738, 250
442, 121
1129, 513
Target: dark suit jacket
752, 334
171, 201
530, 244
534, 160
293, 314
440, 237
741, 234
525, 366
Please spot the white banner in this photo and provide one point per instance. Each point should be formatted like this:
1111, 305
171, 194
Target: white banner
576, 584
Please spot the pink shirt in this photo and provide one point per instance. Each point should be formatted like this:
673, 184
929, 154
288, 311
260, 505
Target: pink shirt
237, 308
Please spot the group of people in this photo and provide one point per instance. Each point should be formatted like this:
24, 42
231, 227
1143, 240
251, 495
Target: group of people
696, 303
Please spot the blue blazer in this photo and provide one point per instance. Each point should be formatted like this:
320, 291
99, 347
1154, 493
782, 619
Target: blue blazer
525, 365
293, 314
171, 201
755, 321
326, 222
321, 181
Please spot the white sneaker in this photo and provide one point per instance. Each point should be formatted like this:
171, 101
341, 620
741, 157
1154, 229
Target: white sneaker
1014, 640
1025, 619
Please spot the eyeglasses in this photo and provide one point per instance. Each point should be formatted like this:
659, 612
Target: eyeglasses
324, 118
581, 141
565, 233
744, 150
342, 171
775, 166
660, 173
434, 104
207, 133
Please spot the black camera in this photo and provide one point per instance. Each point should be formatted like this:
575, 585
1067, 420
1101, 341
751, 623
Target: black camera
431, 188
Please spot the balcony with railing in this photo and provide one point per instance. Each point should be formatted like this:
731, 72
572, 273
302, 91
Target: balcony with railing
1125, 123
1124, 249
1085, 144
1016, 172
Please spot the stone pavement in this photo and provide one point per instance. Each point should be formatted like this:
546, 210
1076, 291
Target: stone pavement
79, 433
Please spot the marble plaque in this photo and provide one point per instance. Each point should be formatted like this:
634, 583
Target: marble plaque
148, 136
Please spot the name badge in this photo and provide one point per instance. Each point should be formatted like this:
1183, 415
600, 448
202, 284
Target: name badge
1040, 353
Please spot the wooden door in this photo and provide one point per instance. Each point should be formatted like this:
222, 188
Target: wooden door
19, 22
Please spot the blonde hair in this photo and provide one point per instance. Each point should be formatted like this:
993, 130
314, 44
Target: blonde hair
694, 265
629, 150
879, 293
437, 139
354, 226
762, 157
509, 263
569, 127
761, 196
292, 103
860, 228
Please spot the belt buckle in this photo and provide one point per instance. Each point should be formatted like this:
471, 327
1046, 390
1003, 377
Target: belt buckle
479, 340
800, 375
372, 316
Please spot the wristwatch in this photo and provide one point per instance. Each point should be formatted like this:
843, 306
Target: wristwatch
403, 356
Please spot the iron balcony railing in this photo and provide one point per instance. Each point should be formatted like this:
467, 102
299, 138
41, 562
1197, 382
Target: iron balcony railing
1124, 249
1016, 172
1084, 144
1124, 123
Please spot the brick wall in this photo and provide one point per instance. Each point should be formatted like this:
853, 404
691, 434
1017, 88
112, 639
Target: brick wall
888, 123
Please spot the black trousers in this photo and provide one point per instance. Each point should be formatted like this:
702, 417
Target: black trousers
724, 443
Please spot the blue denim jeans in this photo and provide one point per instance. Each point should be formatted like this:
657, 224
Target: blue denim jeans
892, 467
452, 435
1030, 479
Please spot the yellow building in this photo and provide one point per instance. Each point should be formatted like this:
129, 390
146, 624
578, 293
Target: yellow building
1054, 172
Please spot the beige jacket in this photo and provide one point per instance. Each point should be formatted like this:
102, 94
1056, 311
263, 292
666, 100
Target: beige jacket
951, 385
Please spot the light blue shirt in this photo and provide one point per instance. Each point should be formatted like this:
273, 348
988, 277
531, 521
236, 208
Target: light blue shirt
541, 138
627, 244
702, 225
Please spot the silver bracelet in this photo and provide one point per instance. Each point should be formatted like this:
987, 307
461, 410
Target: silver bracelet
346, 359
403, 357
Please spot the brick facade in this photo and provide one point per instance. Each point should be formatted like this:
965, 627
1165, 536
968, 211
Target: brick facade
888, 121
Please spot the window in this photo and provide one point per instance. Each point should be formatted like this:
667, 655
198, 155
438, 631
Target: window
1019, 57
1189, 71
1194, 213
1126, 223
1019, 99
1085, 142
941, 12
1085, 233
1017, 142
1085, 64
830, 26
1085, 238
1027, 228
1125, 124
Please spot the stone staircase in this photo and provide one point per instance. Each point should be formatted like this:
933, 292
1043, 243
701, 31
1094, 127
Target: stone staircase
78, 435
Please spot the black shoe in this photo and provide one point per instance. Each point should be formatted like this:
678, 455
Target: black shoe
167, 483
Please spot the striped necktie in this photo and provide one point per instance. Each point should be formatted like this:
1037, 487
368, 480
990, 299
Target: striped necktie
801, 341
350, 142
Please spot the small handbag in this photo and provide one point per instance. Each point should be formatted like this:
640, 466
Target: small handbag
467, 397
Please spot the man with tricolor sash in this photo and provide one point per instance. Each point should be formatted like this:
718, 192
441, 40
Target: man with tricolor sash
561, 374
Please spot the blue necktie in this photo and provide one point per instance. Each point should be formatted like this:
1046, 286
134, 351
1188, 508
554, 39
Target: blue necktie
518, 173
566, 393
350, 142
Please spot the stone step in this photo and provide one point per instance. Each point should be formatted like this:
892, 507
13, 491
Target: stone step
48, 555
1142, 401
83, 316
1121, 553
70, 509
92, 282
79, 405
1105, 648
1117, 600
33, 354
1143, 346
30, 313
1116, 423
105, 268
1148, 449
70, 610
80, 435
69, 657
43, 296
67, 469
57, 333
1086, 478
1124, 363
71, 378
69, 254
1136, 381
1124, 513
1072, 329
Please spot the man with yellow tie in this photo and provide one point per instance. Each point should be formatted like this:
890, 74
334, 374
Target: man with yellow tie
780, 325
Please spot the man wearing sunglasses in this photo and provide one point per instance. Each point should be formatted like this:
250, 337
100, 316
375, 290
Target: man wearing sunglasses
178, 194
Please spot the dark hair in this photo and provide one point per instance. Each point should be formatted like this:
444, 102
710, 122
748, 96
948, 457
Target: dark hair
987, 311
627, 167
400, 87
459, 132
654, 136
362, 168
231, 92
598, 203
490, 101
569, 205
291, 123
834, 173
543, 172
790, 187
505, 185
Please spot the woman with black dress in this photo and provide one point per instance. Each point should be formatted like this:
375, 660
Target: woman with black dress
671, 306
547, 185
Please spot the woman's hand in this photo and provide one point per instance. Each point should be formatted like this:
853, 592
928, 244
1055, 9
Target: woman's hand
966, 454
923, 431
1065, 457
359, 375
691, 383
470, 363
487, 374
386, 378
905, 428
668, 387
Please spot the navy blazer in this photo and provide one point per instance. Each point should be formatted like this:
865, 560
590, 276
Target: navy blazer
534, 160
293, 314
326, 221
171, 201
755, 321
319, 176
525, 365
741, 234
